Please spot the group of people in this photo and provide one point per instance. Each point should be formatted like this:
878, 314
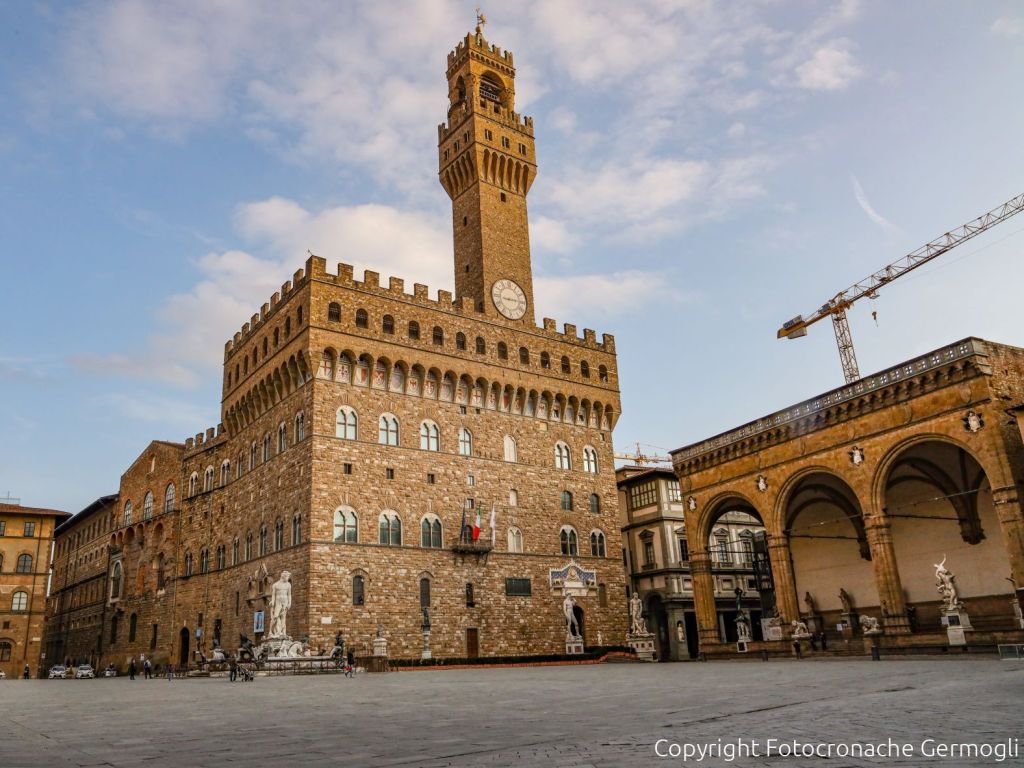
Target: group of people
147, 669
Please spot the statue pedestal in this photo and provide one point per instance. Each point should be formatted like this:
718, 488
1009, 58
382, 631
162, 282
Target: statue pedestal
573, 645
642, 645
958, 624
282, 648
426, 654
380, 646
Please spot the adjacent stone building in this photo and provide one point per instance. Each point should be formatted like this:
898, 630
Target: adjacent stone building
657, 559
366, 429
26, 539
867, 489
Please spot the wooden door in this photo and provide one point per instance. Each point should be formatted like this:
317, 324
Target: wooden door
472, 642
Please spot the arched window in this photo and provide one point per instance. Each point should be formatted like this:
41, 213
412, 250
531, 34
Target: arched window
515, 540
266, 447
430, 436
438, 336
430, 532
23, 564
5, 650
481, 346
584, 369
113, 629
347, 424
565, 365
277, 331
387, 428
222, 553
234, 551
597, 543
460, 340
595, 503
362, 319
208, 479
589, 460
263, 540
502, 350
358, 590
602, 373
252, 455
563, 458
513, 497
278, 535
282, 437
511, 450
160, 570
147, 506
414, 329
225, 472
300, 427
524, 356
387, 324
188, 563
569, 540
133, 626
567, 501
346, 525
334, 312
127, 513
545, 360
248, 545
424, 592
390, 529
296, 528
204, 560
19, 601
465, 442
169, 498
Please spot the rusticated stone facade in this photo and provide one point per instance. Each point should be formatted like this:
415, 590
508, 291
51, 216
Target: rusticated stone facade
347, 403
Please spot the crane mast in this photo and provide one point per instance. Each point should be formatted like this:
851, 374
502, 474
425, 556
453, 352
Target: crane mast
836, 306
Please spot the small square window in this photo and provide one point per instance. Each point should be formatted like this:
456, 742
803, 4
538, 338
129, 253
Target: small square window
462, 409
390, 473
470, 480
431, 478
470, 504
346, 468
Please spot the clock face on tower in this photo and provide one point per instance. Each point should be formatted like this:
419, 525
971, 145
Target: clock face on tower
509, 299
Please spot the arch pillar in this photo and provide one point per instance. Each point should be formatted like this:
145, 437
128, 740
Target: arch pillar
704, 598
1006, 501
878, 530
786, 600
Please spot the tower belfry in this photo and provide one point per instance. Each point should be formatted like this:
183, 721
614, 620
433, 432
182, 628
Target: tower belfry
487, 164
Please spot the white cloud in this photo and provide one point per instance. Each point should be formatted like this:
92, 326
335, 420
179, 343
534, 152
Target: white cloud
831, 68
1007, 26
593, 298
865, 205
551, 235
736, 131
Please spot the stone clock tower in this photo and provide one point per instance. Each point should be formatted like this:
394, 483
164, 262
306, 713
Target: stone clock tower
487, 163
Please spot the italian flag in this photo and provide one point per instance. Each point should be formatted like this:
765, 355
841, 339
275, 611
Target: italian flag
476, 525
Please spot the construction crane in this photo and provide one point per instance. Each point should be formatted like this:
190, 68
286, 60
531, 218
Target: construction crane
641, 459
836, 306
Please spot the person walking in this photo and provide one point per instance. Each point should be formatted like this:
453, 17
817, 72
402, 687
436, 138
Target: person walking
350, 666
170, 671
132, 669
147, 669
233, 666
27, 673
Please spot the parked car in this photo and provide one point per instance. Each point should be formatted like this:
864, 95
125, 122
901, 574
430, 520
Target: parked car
110, 671
58, 672
84, 672
2, 674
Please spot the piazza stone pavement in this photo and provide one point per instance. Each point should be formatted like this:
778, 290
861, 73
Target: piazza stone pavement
598, 716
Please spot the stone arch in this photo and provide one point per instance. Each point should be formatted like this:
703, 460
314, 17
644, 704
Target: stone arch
713, 511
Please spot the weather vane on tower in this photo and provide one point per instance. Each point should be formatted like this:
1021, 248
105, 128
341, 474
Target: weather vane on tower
480, 21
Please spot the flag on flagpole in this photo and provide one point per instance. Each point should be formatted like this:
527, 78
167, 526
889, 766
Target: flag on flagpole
476, 525
462, 529
494, 524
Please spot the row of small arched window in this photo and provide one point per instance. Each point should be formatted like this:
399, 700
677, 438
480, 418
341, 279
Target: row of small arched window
346, 529
242, 368
387, 327
250, 551
147, 505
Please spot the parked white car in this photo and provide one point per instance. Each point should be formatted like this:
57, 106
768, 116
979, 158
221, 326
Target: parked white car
2, 674
110, 671
58, 672
84, 672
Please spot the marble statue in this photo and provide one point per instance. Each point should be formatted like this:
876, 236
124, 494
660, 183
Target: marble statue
870, 626
846, 600
570, 617
945, 583
812, 609
279, 602
799, 628
636, 616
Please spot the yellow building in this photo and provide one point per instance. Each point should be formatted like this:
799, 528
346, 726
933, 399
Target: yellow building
26, 539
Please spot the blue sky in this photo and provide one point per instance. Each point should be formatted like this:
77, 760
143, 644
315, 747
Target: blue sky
706, 171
